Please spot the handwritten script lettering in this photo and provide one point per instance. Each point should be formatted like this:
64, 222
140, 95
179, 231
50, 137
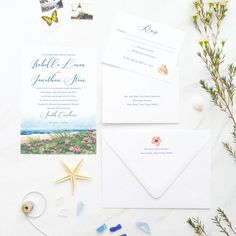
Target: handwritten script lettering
148, 29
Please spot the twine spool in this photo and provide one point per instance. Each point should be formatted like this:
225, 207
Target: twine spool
32, 209
27, 207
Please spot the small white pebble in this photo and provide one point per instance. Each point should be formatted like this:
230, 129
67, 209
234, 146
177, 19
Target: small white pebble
198, 103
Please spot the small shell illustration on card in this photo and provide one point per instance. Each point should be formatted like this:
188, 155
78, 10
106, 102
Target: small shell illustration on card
163, 70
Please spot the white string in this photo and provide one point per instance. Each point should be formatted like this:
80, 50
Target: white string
35, 226
29, 216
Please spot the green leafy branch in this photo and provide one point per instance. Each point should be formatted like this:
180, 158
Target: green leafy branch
208, 20
197, 225
220, 220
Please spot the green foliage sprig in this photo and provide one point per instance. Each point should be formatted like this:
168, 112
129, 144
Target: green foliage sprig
197, 225
208, 20
220, 220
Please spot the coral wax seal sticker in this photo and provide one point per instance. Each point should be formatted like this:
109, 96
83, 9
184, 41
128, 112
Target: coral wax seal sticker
27, 207
156, 140
163, 70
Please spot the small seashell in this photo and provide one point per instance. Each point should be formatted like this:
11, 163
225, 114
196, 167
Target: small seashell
27, 207
198, 103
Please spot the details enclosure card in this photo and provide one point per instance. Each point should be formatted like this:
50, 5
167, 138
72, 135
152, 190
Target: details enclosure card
58, 102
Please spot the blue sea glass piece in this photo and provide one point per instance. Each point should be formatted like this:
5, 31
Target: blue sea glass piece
115, 228
101, 228
80, 206
143, 227
123, 235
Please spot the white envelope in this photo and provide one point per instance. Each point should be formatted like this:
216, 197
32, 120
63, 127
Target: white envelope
156, 169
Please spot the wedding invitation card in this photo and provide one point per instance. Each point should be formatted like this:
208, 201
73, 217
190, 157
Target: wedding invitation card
58, 101
160, 168
144, 47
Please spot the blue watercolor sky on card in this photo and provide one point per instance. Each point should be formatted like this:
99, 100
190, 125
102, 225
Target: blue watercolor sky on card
35, 126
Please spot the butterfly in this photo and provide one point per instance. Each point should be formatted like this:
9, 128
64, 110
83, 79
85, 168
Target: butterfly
51, 19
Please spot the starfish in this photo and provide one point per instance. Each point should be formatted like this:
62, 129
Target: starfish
72, 175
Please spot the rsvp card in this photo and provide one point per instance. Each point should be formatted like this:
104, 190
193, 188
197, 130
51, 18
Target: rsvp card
58, 102
144, 47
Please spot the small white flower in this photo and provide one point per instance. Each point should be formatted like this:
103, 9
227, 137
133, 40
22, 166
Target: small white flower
223, 2
198, 103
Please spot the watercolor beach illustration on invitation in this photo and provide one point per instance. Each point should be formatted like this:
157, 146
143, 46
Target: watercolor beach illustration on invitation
58, 102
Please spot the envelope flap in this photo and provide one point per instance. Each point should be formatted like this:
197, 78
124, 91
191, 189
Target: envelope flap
156, 158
